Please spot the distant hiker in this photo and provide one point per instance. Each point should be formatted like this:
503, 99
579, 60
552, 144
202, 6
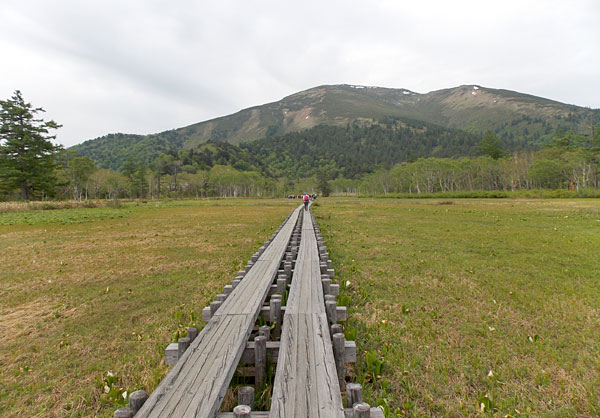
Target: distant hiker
306, 200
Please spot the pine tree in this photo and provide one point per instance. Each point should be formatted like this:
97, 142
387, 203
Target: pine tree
491, 145
27, 154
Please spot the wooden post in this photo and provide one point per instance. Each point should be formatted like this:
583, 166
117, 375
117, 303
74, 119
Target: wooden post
221, 297
254, 257
246, 396
265, 331
242, 411
284, 277
338, 354
281, 284
123, 413
214, 306
329, 298
235, 283
182, 345
353, 394
137, 399
228, 289
337, 329
206, 315
331, 310
361, 410
275, 316
260, 362
287, 267
323, 267
326, 285
192, 333
248, 266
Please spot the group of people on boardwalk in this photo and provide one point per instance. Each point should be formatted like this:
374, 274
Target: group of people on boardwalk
306, 198
301, 196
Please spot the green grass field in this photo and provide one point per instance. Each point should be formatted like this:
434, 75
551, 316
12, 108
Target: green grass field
454, 304
467, 306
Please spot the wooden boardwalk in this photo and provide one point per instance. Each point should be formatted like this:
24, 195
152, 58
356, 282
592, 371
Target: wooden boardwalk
310, 367
306, 380
196, 385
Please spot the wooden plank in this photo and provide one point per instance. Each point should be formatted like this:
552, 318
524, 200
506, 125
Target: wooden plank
341, 313
196, 385
375, 413
306, 383
273, 352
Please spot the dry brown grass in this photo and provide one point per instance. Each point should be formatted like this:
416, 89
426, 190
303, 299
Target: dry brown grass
49, 205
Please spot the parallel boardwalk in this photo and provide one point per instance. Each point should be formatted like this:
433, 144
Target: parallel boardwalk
306, 381
196, 385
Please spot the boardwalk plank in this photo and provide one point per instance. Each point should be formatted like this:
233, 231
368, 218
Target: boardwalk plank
306, 383
196, 385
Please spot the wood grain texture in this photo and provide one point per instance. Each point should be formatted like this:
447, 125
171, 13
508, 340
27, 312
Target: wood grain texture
348, 413
306, 382
196, 385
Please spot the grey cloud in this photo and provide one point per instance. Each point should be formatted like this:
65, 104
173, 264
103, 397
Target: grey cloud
144, 66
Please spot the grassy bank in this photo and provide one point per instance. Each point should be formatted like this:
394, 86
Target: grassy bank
471, 305
85, 292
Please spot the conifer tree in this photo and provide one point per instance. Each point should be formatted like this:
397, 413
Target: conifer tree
491, 145
27, 154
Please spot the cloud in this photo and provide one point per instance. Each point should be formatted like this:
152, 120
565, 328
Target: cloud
146, 66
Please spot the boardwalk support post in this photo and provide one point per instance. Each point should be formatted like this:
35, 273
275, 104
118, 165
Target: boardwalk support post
123, 413
353, 394
275, 316
182, 345
246, 396
265, 331
242, 411
260, 361
331, 310
192, 333
339, 343
361, 410
137, 399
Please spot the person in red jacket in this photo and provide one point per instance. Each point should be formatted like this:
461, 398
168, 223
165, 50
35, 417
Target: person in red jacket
306, 199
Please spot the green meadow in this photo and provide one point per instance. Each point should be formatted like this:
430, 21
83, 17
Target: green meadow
458, 307
466, 307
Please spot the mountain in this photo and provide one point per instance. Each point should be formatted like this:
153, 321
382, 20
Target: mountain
520, 120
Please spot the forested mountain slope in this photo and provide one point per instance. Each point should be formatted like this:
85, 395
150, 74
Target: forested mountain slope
356, 149
519, 120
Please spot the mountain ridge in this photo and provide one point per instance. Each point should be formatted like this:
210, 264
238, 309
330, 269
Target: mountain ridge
515, 117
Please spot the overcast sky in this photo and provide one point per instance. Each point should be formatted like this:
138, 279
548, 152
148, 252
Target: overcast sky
144, 66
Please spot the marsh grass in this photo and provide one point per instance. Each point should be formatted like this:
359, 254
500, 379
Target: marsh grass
478, 306
85, 292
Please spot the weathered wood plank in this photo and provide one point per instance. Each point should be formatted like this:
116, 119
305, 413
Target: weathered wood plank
306, 383
341, 313
348, 413
196, 385
273, 352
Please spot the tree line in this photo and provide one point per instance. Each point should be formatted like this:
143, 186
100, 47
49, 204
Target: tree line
389, 157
